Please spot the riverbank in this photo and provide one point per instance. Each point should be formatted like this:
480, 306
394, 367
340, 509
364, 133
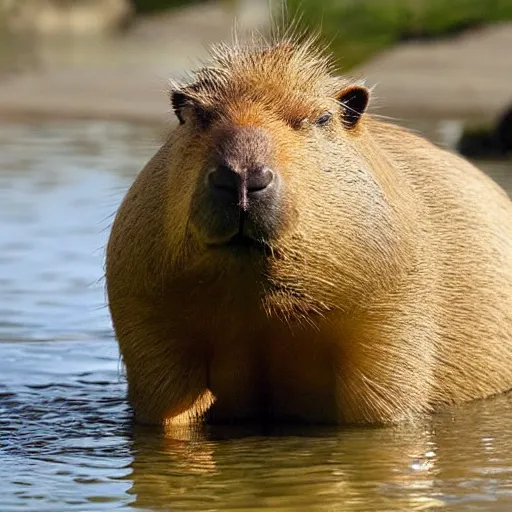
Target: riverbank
125, 78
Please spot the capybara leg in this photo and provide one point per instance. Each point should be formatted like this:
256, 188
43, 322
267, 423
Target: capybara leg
166, 379
165, 387
366, 399
386, 374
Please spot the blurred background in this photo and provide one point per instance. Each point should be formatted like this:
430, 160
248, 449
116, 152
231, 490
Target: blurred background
111, 59
83, 106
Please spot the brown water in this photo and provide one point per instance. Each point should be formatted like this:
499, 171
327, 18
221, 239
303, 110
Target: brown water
66, 441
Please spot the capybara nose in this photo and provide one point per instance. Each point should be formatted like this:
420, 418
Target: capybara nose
229, 184
258, 179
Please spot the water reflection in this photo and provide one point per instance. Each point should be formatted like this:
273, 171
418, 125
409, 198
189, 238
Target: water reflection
66, 438
312, 470
443, 463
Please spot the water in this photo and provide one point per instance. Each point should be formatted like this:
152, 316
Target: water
66, 439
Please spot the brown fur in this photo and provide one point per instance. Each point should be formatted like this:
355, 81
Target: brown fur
386, 293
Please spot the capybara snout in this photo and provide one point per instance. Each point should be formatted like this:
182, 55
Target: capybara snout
243, 184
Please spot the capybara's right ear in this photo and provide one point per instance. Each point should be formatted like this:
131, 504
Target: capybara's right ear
354, 101
178, 102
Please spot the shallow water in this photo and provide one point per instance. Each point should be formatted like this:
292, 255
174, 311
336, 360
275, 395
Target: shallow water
66, 440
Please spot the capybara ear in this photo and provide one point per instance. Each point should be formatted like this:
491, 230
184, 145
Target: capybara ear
178, 101
354, 100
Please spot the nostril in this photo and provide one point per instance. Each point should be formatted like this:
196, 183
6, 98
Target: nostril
228, 184
259, 179
224, 178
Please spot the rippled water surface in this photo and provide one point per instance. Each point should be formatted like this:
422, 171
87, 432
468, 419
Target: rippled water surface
66, 440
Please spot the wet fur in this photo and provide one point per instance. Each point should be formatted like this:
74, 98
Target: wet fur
386, 294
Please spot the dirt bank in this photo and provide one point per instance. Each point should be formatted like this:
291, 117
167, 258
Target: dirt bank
469, 76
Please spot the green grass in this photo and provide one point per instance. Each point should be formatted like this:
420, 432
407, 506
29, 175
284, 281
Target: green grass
360, 28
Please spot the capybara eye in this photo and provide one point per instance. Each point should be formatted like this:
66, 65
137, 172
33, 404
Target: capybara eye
323, 120
204, 116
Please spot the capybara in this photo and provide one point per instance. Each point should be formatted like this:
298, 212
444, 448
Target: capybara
288, 257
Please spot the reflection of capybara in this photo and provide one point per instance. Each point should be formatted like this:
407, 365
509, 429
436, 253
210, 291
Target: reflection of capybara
285, 256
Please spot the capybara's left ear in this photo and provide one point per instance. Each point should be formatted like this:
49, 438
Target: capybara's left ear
178, 102
354, 101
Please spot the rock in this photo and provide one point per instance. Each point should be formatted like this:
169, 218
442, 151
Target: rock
504, 131
484, 142
75, 17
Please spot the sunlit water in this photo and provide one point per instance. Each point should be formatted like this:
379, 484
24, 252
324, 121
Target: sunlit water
66, 439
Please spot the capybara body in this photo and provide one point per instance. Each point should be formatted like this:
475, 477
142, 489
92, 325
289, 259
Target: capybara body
285, 256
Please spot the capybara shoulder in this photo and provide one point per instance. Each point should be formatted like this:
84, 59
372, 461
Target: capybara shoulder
286, 256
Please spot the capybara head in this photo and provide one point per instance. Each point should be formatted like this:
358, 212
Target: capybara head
275, 182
